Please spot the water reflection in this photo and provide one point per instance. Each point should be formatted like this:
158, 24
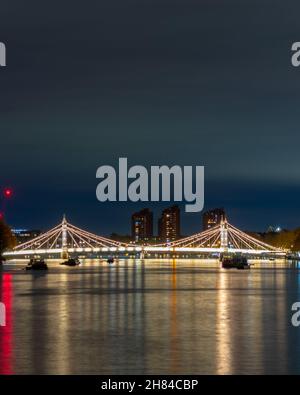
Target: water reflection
175, 341
177, 316
223, 338
6, 333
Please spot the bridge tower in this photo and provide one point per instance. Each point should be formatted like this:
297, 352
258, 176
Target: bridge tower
224, 234
64, 239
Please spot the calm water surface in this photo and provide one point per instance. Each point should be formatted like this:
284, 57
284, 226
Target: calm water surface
164, 317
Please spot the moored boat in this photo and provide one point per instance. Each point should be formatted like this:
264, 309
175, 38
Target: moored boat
71, 262
234, 262
36, 264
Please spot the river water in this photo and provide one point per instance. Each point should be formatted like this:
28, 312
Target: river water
150, 317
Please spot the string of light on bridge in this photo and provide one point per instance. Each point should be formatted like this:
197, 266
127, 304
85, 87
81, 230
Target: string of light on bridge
67, 238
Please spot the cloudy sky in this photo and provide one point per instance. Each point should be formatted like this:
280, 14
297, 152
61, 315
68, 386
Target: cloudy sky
188, 82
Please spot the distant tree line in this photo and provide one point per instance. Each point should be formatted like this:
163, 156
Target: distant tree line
7, 239
286, 239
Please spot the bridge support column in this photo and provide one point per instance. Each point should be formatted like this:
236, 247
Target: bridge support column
224, 234
64, 239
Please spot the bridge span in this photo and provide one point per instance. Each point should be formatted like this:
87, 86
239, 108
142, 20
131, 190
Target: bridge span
66, 239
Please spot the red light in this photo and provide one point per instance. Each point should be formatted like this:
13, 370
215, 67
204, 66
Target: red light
7, 192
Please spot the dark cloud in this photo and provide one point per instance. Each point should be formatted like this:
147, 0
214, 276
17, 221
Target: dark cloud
187, 82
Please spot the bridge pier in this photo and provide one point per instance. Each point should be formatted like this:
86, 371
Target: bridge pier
224, 235
64, 238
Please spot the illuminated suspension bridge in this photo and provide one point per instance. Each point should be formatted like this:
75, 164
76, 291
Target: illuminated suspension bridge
66, 239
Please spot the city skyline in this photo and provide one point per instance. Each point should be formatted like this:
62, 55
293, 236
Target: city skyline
153, 229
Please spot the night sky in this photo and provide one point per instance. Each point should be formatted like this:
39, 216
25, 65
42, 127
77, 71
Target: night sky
206, 82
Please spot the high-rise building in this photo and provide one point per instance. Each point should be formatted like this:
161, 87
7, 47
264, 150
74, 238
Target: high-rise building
213, 217
169, 224
142, 225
